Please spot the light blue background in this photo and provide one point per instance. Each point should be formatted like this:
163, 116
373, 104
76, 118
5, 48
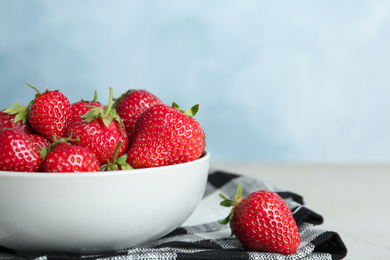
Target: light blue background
277, 81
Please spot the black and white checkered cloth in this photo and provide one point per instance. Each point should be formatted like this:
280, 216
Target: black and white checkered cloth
202, 237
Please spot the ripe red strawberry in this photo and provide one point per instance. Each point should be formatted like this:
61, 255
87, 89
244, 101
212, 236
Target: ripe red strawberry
17, 152
39, 141
165, 135
131, 105
70, 158
15, 118
100, 130
262, 222
81, 107
49, 114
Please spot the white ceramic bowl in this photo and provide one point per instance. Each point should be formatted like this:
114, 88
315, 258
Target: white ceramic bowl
97, 212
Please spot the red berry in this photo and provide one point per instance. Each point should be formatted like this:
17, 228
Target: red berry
165, 135
15, 117
39, 141
49, 114
131, 105
18, 152
70, 158
8, 121
100, 130
263, 222
81, 107
99, 138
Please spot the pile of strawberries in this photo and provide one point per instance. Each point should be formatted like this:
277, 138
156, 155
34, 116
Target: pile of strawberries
133, 131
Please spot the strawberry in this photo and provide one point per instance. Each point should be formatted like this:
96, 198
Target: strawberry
100, 130
39, 141
49, 113
131, 105
262, 222
165, 135
70, 158
81, 107
15, 118
17, 152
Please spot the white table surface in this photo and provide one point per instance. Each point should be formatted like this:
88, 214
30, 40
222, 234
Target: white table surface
353, 199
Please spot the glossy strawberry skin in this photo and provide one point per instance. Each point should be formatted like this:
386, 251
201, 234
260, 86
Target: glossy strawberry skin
82, 107
98, 138
7, 121
70, 158
263, 222
17, 152
39, 141
165, 136
49, 114
131, 105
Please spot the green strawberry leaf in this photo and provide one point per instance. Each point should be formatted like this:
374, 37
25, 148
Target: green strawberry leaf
191, 112
176, 106
226, 220
231, 203
117, 164
107, 120
107, 114
227, 203
122, 160
42, 152
20, 112
127, 166
239, 191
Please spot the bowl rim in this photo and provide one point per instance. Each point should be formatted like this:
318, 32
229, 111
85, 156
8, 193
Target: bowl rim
205, 157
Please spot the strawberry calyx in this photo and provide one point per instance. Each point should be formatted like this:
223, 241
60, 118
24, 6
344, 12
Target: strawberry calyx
231, 203
191, 112
38, 91
56, 142
94, 100
20, 112
107, 114
117, 163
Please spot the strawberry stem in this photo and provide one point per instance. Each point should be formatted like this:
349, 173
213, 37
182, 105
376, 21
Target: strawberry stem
116, 163
38, 92
94, 97
107, 114
110, 101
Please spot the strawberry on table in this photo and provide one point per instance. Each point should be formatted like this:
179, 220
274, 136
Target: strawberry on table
49, 113
100, 130
262, 222
15, 117
81, 107
166, 135
131, 104
18, 152
67, 157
